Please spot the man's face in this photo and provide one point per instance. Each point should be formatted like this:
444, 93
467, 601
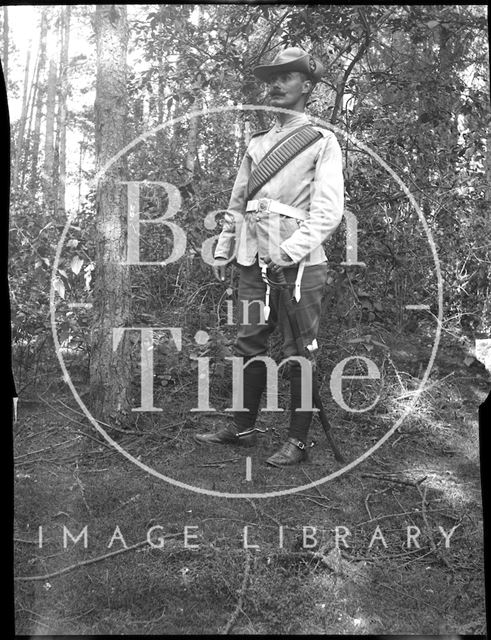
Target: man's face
288, 89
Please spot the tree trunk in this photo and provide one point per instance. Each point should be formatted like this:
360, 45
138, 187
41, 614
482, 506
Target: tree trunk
31, 102
110, 368
192, 151
61, 120
488, 140
5, 54
22, 123
196, 107
484, 325
40, 91
341, 85
161, 90
49, 137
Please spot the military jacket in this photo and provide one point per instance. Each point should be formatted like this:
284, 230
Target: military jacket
312, 181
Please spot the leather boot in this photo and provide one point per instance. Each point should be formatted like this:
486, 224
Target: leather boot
241, 431
292, 451
228, 435
299, 420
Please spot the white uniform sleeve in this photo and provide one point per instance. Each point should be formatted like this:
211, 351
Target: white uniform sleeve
236, 208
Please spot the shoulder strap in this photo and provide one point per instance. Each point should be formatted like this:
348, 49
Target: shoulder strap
283, 152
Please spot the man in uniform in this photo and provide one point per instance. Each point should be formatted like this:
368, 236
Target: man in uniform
278, 217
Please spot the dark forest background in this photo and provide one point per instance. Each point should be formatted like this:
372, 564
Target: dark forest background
412, 82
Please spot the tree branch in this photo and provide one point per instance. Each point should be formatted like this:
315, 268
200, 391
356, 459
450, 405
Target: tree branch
269, 38
359, 54
243, 588
84, 563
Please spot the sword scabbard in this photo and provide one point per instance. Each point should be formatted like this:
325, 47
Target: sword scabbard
302, 349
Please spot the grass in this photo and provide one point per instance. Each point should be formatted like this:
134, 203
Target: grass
66, 476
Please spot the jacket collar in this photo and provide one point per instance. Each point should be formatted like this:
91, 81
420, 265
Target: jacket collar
295, 119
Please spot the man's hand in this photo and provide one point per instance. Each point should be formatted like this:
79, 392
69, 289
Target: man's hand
219, 269
284, 257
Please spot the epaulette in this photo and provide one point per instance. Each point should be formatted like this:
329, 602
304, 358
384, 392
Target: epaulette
322, 129
260, 133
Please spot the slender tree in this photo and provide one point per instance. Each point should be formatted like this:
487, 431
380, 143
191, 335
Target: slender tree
19, 147
62, 108
197, 105
5, 37
40, 97
488, 141
110, 367
49, 136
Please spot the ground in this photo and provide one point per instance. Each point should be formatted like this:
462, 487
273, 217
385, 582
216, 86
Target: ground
426, 476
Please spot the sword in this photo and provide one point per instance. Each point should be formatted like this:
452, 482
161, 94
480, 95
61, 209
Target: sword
303, 350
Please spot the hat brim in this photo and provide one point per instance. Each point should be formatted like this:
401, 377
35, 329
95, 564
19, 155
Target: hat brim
264, 71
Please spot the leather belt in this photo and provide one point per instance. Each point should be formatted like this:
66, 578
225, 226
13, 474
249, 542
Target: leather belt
273, 206
268, 205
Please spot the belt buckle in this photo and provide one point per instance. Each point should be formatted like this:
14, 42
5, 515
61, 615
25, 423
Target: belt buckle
263, 204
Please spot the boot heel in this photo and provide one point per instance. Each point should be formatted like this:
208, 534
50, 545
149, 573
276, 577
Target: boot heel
227, 435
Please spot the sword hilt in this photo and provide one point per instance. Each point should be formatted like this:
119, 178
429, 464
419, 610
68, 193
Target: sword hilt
280, 277
279, 281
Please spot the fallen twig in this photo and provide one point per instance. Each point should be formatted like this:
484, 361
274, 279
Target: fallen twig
393, 515
397, 439
41, 615
429, 531
420, 391
238, 608
125, 431
324, 506
26, 541
214, 413
84, 563
395, 480
52, 446
48, 461
37, 433
321, 495
82, 489
265, 514
215, 463
83, 424
103, 442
